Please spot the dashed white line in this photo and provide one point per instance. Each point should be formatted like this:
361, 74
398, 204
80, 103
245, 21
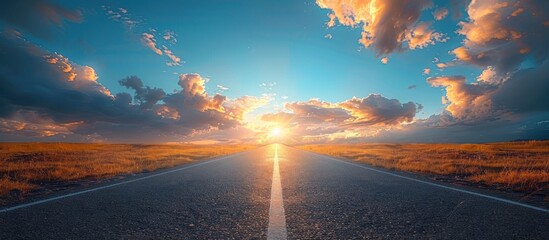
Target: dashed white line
277, 217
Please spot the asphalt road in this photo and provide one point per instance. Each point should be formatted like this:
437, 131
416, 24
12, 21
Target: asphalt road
277, 192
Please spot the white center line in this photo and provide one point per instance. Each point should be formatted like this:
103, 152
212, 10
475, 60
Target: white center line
277, 218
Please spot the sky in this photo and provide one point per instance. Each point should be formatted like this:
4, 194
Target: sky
296, 72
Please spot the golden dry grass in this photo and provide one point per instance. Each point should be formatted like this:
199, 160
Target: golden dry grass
519, 166
28, 166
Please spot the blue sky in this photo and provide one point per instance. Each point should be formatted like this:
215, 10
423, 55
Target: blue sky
284, 52
237, 45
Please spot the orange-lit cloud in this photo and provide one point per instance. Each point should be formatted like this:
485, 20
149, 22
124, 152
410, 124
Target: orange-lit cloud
422, 36
318, 121
464, 101
386, 25
149, 41
501, 35
52, 87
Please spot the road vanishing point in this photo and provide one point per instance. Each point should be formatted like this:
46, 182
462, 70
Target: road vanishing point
274, 192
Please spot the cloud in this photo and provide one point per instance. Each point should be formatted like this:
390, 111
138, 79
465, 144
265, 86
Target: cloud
169, 36
467, 102
443, 128
280, 117
490, 76
50, 93
146, 97
267, 85
240, 106
500, 35
426, 71
422, 36
328, 36
121, 15
412, 87
147, 38
376, 109
221, 88
320, 121
149, 41
386, 25
440, 14
174, 60
316, 111
522, 92
385, 60
40, 18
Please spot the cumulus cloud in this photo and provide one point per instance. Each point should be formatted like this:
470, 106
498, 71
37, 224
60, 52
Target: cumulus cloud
145, 96
240, 106
426, 71
386, 25
523, 92
490, 76
500, 35
64, 98
320, 121
376, 109
422, 36
316, 111
39, 18
468, 102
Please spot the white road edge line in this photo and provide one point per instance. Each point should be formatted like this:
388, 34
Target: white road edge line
115, 184
436, 185
277, 218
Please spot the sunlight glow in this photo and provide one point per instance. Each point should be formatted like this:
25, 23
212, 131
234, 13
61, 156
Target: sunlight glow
276, 132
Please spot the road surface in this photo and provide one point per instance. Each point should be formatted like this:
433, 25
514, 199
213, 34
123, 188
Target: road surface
273, 192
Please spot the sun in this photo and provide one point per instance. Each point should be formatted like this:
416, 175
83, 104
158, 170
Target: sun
276, 132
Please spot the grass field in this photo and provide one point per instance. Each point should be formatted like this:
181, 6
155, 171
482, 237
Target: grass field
30, 167
517, 166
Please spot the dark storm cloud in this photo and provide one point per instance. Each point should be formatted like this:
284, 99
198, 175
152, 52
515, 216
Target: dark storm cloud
38, 17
